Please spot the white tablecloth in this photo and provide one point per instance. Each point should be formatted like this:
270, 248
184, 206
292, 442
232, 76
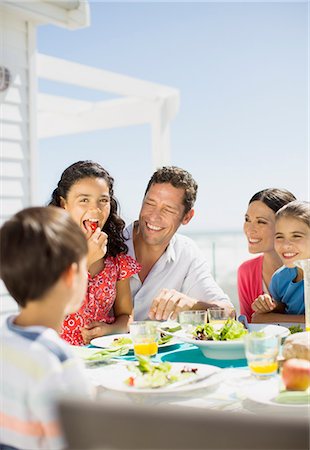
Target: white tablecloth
234, 392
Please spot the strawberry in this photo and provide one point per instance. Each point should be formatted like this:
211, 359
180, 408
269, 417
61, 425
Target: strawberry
93, 226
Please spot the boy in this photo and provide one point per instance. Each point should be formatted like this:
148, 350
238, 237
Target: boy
43, 265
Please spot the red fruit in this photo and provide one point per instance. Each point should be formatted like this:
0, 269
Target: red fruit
93, 226
296, 374
131, 381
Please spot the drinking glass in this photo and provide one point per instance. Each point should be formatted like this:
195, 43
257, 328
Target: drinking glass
144, 335
262, 354
217, 317
190, 319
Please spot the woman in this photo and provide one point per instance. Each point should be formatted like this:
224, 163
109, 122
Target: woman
259, 227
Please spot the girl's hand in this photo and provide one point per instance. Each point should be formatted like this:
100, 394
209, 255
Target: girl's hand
264, 304
97, 246
93, 330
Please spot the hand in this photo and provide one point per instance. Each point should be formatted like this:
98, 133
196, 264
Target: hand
93, 330
169, 303
263, 304
97, 246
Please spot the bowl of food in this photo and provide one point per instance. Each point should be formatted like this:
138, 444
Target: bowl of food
227, 341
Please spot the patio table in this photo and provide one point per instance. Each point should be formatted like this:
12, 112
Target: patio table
231, 393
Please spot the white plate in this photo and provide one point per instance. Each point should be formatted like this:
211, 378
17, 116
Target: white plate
106, 341
264, 393
113, 378
231, 349
85, 352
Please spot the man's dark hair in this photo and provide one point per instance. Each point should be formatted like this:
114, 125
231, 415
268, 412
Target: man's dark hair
178, 178
273, 198
37, 245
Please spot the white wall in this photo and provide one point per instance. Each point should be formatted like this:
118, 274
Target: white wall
15, 135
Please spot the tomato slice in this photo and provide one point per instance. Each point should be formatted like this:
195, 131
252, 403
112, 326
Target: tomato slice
131, 381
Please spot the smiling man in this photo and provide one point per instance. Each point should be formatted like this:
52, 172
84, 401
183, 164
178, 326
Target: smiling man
175, 275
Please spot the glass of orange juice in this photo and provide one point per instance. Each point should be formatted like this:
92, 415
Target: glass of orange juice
144, 335
262, 354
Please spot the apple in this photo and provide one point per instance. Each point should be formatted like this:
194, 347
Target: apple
296, 374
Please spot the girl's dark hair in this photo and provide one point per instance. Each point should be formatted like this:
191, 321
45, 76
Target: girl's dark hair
297, 209
37, 246
273, 198
114, 225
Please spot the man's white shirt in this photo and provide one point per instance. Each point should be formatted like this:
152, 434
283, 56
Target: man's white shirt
181, 267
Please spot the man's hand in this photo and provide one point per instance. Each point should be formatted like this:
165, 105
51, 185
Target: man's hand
93, 330
169, 303
263, 304
97, 246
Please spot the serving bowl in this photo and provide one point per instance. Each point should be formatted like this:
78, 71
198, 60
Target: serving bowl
233, 349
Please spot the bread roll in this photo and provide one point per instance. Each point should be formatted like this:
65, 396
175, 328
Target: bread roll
297, 346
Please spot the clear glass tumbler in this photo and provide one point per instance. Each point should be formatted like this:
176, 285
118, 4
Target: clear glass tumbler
144, 335
262, 354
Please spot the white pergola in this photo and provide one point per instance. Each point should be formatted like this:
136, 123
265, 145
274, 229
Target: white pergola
138, 102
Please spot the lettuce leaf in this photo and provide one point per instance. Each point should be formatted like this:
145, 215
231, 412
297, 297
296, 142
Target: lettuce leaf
232, 329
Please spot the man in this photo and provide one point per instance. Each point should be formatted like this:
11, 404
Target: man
174, 275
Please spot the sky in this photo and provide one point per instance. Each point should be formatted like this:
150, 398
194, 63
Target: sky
243, 76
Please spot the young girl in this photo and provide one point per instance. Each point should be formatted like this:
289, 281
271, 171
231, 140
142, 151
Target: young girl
292, 243
85, 190
254, 275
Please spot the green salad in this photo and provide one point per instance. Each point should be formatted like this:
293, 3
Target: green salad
146, 374
232, 329
91, 355
118, 342
295, 329
164, 338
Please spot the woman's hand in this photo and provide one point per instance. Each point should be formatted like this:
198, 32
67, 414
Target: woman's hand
263, 304
97, 246
93, 330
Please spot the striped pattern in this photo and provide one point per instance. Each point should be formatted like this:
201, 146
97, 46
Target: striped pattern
15, 127
37, 368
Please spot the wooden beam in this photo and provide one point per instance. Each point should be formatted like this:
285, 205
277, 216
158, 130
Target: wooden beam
96, 116
64, 71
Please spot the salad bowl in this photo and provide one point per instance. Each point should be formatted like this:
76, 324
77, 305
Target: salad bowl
230, 349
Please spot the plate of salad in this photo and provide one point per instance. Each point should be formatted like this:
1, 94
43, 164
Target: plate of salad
147, 377
120, 340
226, 341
